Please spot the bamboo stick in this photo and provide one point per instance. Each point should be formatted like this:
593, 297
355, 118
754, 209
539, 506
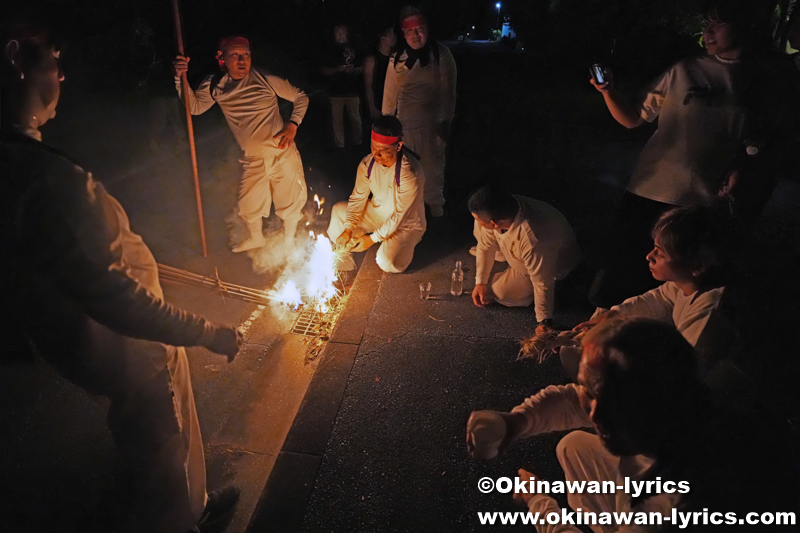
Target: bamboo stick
176, 16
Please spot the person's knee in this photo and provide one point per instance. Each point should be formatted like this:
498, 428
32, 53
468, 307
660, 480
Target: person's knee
510, 298
572, 448
393, 263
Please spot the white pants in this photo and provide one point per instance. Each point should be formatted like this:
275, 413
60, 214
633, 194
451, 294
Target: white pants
395, 253
583, 458
274, 177
353, 106
430, 148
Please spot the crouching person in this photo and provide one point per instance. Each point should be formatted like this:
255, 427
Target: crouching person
656, 431
395, 216
535, 239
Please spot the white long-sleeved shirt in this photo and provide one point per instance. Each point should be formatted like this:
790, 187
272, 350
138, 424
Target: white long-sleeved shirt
421, 96
540, 243
250, 106
668, 303
558, 408
400, 206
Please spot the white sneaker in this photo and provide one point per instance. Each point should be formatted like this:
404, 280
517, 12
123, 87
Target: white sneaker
251, 243
498, 255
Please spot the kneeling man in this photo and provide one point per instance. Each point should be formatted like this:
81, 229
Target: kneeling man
536, 240
395, 216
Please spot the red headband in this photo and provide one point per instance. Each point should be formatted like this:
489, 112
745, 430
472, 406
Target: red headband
231, 42
414, 21
384, 139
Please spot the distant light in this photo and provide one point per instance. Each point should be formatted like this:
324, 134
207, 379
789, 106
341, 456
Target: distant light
473, 27
497, 5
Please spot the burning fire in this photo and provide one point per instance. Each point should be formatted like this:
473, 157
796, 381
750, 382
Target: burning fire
288, 295
320, 202
316, 281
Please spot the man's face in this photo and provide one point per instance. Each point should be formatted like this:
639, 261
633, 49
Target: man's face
665, 267
719, 37
385, 154
618, 421
340, 34
237, 61
389, 38
417, 36
42, 80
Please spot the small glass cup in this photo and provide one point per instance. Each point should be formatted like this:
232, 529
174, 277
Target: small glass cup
425, 290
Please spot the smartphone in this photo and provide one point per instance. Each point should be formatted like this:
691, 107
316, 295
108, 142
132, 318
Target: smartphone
598, 73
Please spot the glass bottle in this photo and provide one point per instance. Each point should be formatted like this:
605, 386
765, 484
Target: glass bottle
457, 280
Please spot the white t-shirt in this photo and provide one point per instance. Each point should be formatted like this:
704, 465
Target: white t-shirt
701, 122
689, 313
250, 106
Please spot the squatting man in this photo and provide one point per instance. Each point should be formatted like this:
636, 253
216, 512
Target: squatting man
395, 216
535, 239
272, 168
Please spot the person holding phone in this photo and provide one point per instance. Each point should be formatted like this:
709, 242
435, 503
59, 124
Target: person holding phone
703, 118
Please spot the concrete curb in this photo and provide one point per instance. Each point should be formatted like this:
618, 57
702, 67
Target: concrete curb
282, 505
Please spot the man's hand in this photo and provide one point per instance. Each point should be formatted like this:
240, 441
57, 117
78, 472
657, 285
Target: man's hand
363, 243
374, 112
480, 295
180, 65
345, 237
521, 497
443, 131
605, 86
286, 136
515, 425
227, 341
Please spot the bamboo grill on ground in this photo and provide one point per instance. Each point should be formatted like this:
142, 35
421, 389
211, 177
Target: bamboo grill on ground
168, 274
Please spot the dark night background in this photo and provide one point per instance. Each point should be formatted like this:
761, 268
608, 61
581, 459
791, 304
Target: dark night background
525, 104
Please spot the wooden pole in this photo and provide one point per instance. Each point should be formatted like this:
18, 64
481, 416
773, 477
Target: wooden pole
176, 16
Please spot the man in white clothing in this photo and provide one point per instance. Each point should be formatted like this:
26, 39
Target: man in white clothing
395, 216
653, 423
421, 90
273, 171
535, 239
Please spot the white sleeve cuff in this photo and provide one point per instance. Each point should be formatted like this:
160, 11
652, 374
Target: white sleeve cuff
375, 238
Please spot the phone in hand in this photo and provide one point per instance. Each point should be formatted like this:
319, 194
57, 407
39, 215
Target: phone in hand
598, 73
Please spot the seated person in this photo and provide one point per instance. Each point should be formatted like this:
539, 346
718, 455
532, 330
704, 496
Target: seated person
395, 216
654, 422
536, 241
690, 253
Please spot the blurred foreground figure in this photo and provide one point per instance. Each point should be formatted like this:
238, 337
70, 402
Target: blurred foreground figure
421, 90
535, 239
85, 296
395, 215
273, 171
653, 422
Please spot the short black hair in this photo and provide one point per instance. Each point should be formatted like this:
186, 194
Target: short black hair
412, 11
388, 125
493, 201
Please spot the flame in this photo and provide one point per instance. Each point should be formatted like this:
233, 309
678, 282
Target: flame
289, 295
318, 276
323, 273
320, 202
